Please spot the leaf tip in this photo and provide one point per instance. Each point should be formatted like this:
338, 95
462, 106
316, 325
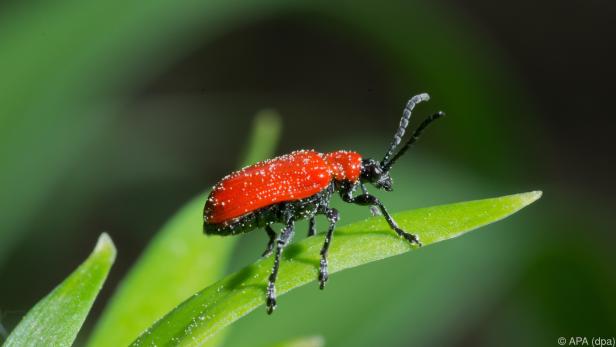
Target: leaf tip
530, 197
267, 124
105, 245
269, 118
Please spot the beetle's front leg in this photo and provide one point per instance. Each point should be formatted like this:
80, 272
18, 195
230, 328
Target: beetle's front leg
371, 200
373, 209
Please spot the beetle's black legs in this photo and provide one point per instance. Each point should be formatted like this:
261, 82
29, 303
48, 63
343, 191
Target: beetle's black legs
373, 209
272, 239
285, 236
312, 226
371, 200
332, 216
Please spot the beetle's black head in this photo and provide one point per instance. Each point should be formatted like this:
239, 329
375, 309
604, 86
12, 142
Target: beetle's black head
372, 172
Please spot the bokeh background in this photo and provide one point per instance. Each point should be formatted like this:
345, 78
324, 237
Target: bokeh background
115, 113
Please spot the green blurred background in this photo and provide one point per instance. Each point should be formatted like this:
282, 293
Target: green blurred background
115, 113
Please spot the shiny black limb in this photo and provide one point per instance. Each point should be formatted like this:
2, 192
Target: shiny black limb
283, 239
332, 216
373, 209
312, 226
272, 239
371, 200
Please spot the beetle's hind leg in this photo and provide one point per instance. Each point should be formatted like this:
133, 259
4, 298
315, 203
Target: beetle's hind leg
332, 216
272, 239
283, 239
312, 226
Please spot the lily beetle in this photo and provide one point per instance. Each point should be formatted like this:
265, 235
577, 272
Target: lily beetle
300, 185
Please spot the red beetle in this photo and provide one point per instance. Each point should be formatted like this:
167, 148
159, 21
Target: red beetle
300, 185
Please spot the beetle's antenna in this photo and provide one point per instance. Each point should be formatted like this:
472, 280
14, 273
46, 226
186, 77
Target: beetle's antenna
404, 122
387, 166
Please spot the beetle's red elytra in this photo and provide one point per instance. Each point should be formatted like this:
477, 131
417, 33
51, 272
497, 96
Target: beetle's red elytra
289, 177
300, 185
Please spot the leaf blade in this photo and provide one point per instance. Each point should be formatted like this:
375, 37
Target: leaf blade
215, 307
57, 318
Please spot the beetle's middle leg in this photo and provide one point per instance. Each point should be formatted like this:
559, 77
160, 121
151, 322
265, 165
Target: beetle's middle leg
332, 217
272, 239
283, 239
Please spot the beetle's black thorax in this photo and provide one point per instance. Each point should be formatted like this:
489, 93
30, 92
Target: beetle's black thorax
372, 172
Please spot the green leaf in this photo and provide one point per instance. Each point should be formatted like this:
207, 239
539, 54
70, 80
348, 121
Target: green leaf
3, 333
310, 341
207, 312
56, 320
179, 261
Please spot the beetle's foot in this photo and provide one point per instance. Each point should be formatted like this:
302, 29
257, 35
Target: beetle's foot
270, 302
412, 238
323, 273
271, 305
